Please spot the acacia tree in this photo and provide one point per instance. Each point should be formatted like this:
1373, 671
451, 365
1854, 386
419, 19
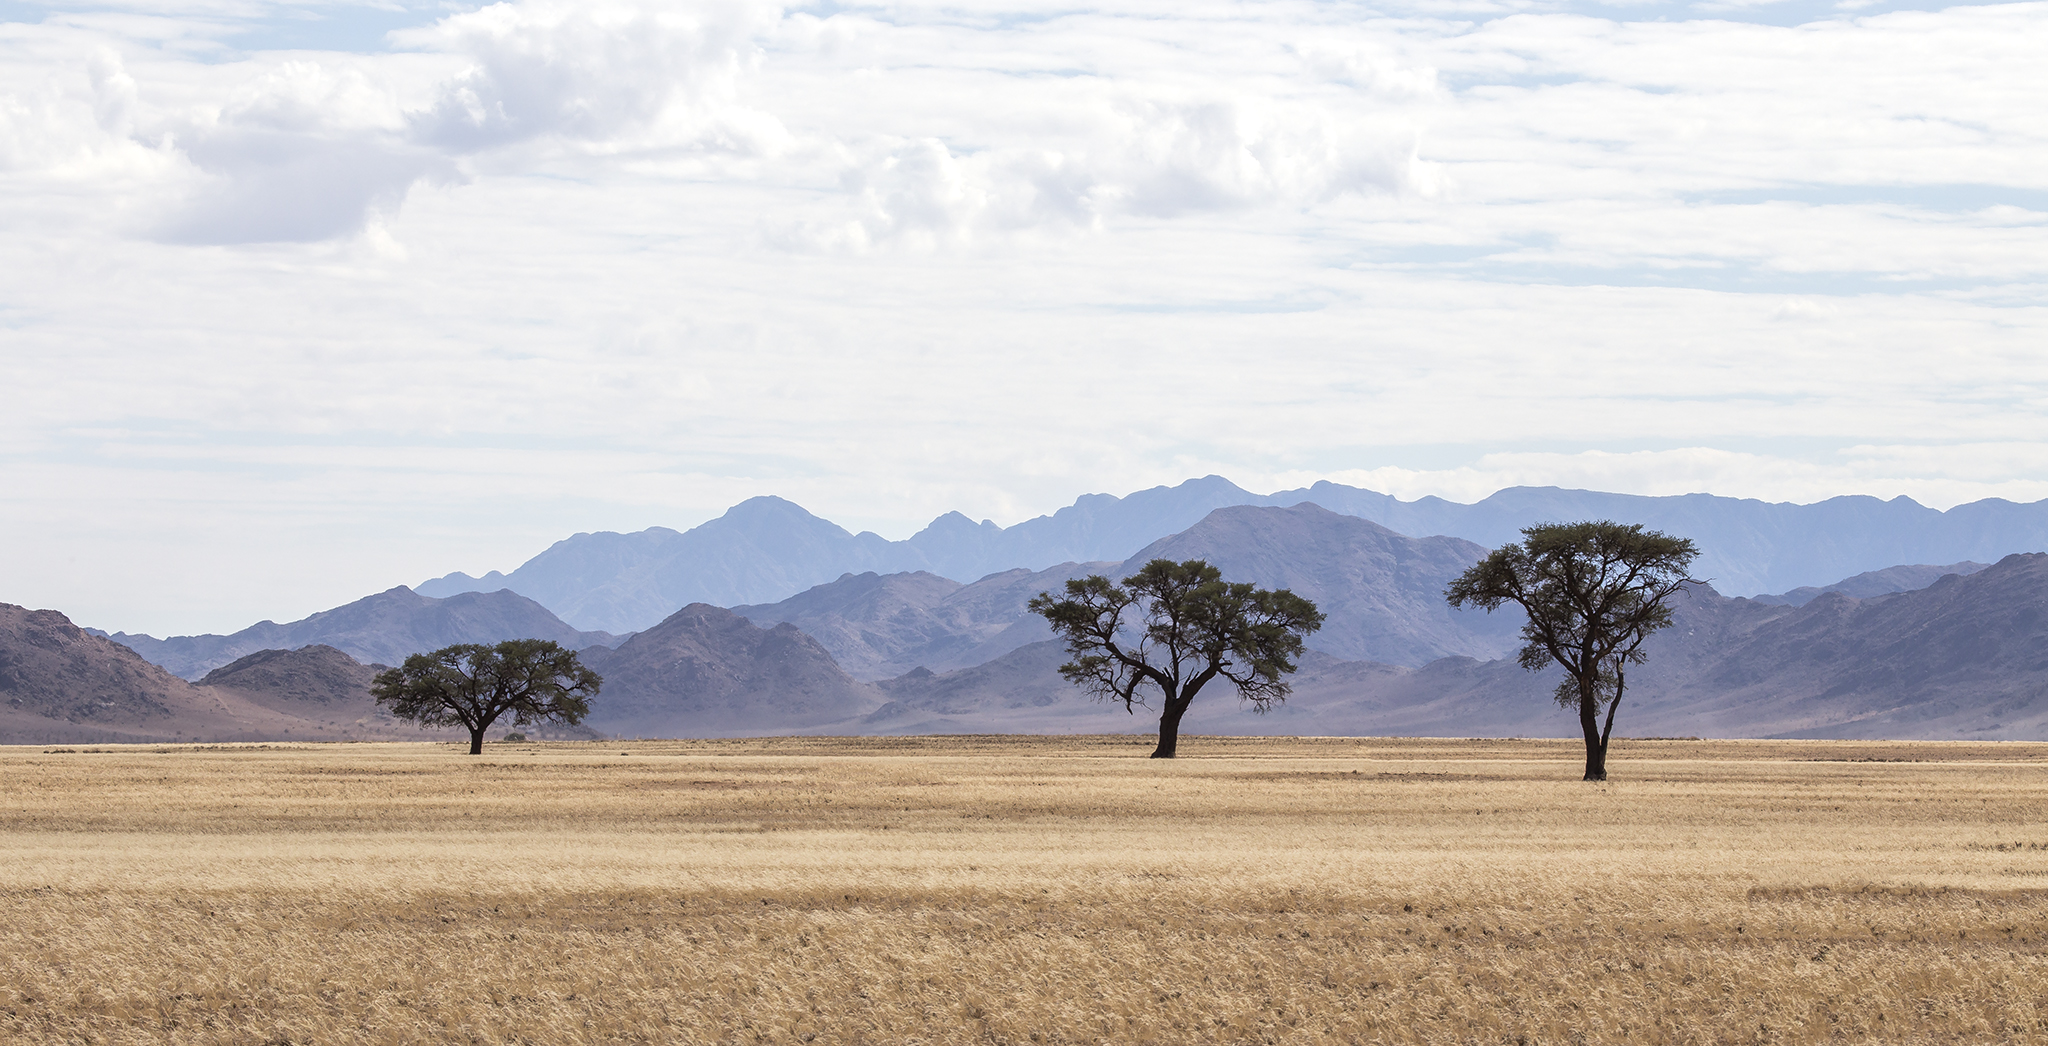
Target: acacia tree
1173, 628
1593, 592
472, 685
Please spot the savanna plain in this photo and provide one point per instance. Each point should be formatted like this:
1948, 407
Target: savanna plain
1025, 890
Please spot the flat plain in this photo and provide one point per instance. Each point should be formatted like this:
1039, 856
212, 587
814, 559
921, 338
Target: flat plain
1025, 890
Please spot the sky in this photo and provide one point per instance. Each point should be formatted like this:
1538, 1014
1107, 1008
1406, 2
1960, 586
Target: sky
301, 301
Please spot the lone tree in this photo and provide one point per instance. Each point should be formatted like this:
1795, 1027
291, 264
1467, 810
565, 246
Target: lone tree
1186, 626
473, 685
1594, 592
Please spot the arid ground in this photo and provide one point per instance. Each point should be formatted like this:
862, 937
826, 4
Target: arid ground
1025, 890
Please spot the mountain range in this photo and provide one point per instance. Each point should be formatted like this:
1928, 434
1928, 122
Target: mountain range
1382, 592
1902, 650
766, 549
381, 628
1966, 657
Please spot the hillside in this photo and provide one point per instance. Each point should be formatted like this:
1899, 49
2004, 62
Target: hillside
706, 671
383, 628
1874, 583
880, 626
61, 684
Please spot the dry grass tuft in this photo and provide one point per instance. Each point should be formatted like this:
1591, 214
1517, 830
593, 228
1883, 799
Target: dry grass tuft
994, 890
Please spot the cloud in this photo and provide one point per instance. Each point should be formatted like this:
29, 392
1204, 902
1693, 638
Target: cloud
315, 148
53, 131
114, 93
1125, 157
603, 76
300, 152
276, 186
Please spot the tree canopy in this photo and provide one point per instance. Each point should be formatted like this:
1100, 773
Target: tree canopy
1594, 592
1171, 629
471, 685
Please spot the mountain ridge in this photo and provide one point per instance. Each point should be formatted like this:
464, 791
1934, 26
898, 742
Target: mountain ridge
767, 549
384, 627
1965, 658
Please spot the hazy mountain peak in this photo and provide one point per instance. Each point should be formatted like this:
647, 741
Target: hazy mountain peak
1877, 583
767, 549
956, 522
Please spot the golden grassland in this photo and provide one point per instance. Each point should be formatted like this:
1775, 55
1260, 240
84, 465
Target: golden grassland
1025, 890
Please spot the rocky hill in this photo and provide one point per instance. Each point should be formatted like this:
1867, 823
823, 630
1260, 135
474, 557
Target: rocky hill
61, 684
318, 676
382, 628
706, 671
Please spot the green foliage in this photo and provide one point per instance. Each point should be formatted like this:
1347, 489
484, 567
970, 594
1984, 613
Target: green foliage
472, 686
1172, 628
1594, 592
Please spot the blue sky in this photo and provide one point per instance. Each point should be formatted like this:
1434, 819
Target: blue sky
306, 300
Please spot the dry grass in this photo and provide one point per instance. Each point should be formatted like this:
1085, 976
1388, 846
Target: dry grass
1051, 890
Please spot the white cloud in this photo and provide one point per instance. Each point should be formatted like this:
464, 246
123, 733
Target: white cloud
1139, 158
603, 76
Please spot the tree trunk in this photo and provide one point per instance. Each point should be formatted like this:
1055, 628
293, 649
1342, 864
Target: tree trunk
476, 740
1596, 746
1169, 728
1607, 732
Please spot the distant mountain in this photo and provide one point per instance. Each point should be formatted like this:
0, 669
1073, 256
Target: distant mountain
880, 626
1382, 592
706, 672
60, 684
382, 628
766, 549
1746, 546
1965, 658
1874, 583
